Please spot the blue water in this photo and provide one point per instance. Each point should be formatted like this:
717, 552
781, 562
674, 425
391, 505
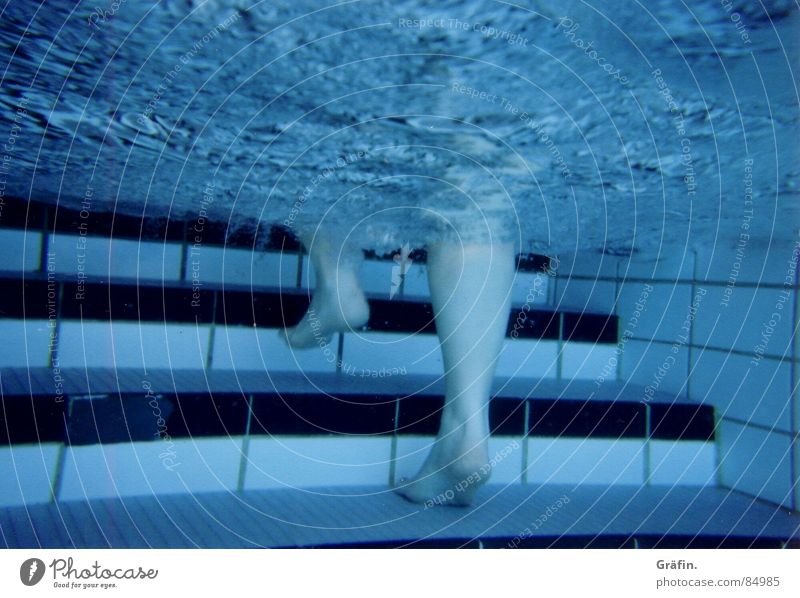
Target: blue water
614, 126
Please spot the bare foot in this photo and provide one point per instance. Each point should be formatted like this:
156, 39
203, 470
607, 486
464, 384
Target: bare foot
330, 311
451, 475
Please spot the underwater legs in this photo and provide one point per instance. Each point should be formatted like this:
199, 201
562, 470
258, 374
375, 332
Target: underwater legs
338, 304
470, 290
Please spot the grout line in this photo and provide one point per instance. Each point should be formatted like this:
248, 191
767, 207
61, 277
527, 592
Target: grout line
44, 249
58, 473
704, 348
299, 281
560, 353
212, 333
184, 257
718, 450
393, 453
793, 400
693, 279
52, 345
648, 435
61, 458
241, 479
44, 244
690, 348
525, 443
769, 429
620, 327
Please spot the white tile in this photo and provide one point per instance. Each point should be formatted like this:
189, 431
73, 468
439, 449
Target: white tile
756, 462
590, 264
410, 455
593, 296
740, 390
376, 277
585, 461
666, 310
133, 345
758, 264
666, 268
25, 343
412, 353
587, 361
21, 250
682, 463
121, 258
416, 282
150, 468
286, 462
248, 348
532, 288
505, 457
655, 365
27, 473
234, 266
528, 359
740, 324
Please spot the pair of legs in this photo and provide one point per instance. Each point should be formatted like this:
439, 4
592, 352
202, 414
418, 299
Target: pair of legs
470, 291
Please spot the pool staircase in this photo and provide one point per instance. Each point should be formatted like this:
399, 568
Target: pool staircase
149, 400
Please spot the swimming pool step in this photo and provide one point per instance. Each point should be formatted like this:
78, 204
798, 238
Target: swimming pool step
74, 243
546, 516
131, 323
123, 432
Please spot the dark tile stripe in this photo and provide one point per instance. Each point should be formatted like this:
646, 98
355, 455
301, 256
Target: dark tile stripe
97, 300
270, 310
21, 214
140, 418
507, 417
587, 419
590, 328
26, 299
681, 421
31, 419
401, 316
315, 414
420, 415
127, 417
533, 324
138, 303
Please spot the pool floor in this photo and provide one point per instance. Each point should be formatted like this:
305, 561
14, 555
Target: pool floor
503, 517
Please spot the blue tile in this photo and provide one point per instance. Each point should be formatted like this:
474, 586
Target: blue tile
742, 321
585, 461
682, 463
585, 295
26, 343
314, 462
666, 310
740, 390
21, 250
27, 473
756, 462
